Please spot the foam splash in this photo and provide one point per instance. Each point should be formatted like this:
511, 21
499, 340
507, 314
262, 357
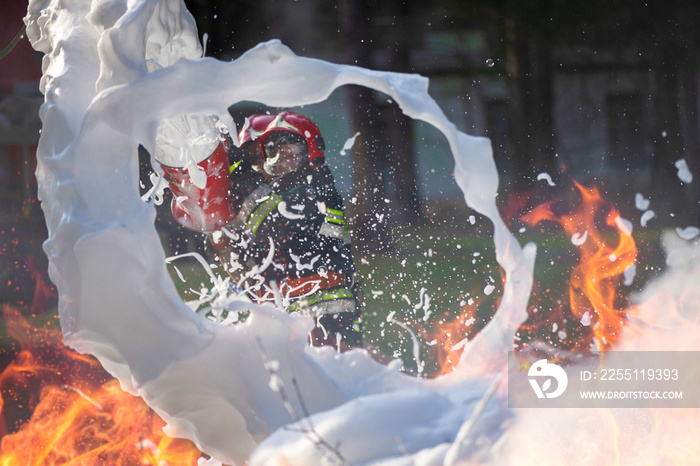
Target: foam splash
103, 97
684, 173
222, 386
349, 143
547, 177
577, 239
688, 233
646, 216
640, 202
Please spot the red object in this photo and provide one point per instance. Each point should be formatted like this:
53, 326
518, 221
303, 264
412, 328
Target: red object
255, 127
206, 209
306, 128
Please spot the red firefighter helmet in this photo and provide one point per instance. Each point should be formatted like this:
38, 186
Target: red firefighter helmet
254, 127
294, 123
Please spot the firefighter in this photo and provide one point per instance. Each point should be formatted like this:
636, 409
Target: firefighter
312, 242
280, 232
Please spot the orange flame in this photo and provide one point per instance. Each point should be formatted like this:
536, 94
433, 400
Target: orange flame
604, 254
451, 335
594, 281
451, 338
79, 415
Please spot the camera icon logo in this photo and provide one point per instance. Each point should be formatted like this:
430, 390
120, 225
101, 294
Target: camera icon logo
547, 372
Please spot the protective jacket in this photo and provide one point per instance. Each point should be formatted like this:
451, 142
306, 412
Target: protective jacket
297, 242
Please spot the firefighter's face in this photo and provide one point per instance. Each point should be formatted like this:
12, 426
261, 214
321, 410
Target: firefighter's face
284, 158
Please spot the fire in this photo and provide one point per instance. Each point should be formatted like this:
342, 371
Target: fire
79, 415
451, 338
593, 299
604, 255
451, 335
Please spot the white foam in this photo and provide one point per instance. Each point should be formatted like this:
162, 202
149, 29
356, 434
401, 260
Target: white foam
586, 319
577, 239
684, 173
349, 143
547, 177
624, 225
110, 81
640, 203
629, 274
646, 216
185, 141
688, 233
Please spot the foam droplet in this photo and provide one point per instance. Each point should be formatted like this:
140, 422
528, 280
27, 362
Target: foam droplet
624, 225
586, 319
640, 203
683, 172
646, 216
629, 274
688, 233
546, 177
578, 239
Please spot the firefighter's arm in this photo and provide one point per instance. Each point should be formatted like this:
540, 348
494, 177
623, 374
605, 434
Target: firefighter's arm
332, 210
334, 232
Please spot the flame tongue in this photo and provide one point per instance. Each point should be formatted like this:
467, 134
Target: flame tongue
594, 281
596, 311
80, 415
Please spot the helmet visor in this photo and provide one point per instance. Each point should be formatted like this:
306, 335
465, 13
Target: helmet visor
284, 152
275, 139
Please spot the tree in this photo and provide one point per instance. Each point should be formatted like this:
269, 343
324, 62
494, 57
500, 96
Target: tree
371, 232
